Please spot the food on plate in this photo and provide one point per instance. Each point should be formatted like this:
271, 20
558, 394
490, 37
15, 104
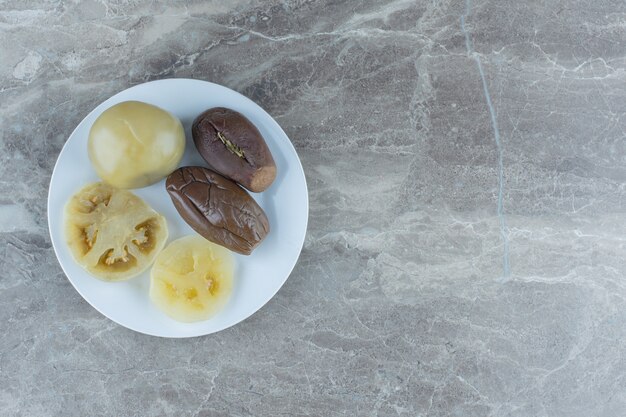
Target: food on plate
234, 147
192, 279
112, 233
134, 144
217, 208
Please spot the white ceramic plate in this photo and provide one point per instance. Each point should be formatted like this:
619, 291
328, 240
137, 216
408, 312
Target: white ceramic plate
257, 277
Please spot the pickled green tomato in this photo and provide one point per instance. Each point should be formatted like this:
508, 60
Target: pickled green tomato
134, 144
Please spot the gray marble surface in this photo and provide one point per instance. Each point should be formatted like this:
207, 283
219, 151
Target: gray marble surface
466, 250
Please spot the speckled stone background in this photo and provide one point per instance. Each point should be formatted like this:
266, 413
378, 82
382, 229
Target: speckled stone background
466, 251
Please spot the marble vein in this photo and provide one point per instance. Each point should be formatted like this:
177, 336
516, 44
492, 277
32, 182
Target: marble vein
506, 267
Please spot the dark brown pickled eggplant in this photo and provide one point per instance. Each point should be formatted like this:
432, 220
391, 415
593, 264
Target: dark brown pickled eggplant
234, 147
218, 209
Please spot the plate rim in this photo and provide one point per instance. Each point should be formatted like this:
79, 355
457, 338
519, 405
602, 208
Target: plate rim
275, 125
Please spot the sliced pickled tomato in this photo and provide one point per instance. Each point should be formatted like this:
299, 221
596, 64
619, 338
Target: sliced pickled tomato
112, 233
192, 279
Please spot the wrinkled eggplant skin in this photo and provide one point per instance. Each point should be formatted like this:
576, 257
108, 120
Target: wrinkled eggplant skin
217, 208
254, 167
